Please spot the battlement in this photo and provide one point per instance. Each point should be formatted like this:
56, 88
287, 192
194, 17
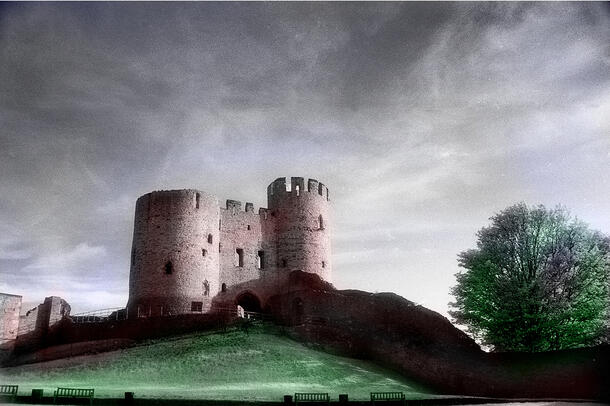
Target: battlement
235, 206
296, 187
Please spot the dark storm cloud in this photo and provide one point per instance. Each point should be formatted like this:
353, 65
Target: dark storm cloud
423, 119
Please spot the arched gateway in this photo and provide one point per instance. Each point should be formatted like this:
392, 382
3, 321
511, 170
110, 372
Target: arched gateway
249, 302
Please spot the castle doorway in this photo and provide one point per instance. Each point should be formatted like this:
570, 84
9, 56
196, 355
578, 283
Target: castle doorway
297, 311
250, 304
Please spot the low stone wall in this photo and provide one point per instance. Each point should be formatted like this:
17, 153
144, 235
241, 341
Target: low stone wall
67, 332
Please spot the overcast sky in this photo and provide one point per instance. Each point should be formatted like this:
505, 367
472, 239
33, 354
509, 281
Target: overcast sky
424, 119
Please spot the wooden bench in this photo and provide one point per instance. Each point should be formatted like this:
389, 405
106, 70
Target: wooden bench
73, 393
9, 390
388, 397
311, 397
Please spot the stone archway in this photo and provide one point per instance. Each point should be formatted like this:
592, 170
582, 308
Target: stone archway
249, 302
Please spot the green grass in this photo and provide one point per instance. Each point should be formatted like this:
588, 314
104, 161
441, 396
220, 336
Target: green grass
261, 365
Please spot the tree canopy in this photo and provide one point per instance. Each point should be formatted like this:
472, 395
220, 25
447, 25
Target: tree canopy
538, 280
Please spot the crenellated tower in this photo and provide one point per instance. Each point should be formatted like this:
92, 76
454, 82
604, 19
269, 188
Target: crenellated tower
301, 229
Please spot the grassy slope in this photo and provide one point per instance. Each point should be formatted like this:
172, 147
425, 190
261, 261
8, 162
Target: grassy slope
261, 365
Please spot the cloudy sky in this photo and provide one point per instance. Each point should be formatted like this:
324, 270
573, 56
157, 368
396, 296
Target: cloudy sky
424, 119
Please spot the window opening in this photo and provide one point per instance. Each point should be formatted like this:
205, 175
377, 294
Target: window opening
224, 287
249, 227
297, 189
239, 257
210, 239
169, 268
323, 264
197, 307
320, 222
197, 197
283, 263
206, 288
260, 260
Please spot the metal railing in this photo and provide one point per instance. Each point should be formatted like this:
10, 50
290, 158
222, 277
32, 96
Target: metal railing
101, 315
122, 313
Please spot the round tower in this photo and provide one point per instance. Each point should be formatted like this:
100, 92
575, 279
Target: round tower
302, 226
174, 257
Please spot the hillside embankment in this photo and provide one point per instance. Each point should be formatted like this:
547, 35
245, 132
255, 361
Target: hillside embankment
385, 328
425, 346
249, 364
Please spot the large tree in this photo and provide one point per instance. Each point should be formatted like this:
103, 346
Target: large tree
538, 280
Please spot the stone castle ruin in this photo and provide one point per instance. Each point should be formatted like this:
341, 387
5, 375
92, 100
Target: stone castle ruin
187, 249
198, 266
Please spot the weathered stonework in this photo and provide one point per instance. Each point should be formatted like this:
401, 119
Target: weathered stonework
35, 323
187, 249
10, 306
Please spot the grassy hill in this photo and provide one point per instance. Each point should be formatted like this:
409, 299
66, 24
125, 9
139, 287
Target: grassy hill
259, 365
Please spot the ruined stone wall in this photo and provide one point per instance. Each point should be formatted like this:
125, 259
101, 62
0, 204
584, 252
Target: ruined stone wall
240, 230
27, 322
58, 308
10, 307
37, 321
302, 220
175, 254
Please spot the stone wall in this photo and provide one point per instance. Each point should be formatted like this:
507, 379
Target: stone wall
10, 307
240, 230
46, 314
27, 321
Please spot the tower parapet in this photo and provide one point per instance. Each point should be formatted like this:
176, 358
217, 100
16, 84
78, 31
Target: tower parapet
280, 188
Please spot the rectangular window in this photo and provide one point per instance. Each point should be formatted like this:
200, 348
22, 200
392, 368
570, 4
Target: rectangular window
239, 257
260, 260
197, 307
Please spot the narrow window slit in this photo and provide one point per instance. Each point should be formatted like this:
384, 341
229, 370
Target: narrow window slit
239, 257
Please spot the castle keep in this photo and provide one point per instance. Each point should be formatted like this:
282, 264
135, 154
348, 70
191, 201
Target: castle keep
187, 249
